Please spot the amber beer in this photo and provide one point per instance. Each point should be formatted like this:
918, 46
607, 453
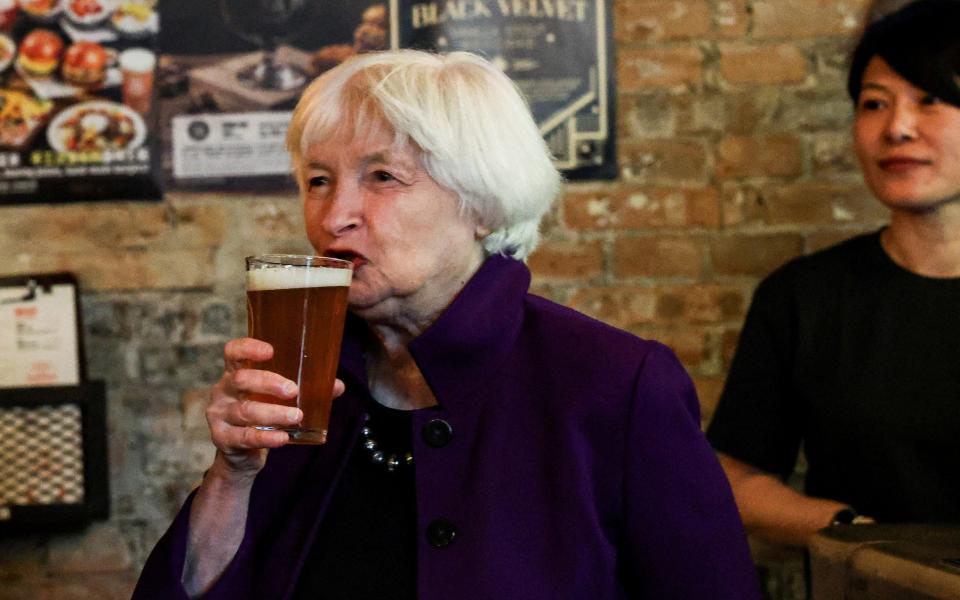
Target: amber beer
298, 304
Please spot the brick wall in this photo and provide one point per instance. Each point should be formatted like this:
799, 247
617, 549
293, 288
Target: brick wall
734, 156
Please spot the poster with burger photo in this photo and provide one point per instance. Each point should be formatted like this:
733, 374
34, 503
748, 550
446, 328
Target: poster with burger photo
77, 114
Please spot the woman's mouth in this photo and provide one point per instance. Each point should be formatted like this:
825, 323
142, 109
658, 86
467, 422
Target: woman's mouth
899, 164
357, 260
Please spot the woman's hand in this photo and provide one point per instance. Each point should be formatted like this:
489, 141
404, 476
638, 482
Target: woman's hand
219, 512
233, 417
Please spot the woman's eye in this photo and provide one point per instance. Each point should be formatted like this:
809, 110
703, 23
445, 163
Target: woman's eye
383, 176
870, 104
317, 181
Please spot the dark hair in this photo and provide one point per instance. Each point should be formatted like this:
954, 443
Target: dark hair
921, 42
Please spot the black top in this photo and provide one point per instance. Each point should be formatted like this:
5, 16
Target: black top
366, 547
859, 359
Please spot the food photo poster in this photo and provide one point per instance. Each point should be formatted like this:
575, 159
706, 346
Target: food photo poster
99, 101
231, 71
77, 109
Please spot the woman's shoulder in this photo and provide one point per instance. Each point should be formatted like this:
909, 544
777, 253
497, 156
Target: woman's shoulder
591, 363
835, 262
566, 331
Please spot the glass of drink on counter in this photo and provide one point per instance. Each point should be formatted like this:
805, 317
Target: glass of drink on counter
298, 304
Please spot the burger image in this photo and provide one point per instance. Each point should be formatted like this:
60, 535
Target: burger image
85, 63
41, 10
40, 52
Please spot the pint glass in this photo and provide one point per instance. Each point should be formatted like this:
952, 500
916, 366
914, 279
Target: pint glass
298, 304
136, 68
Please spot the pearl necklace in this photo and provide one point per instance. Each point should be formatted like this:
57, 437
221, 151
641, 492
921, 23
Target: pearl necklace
390, 461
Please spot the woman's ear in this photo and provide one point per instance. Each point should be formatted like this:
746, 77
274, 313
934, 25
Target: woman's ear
481, 232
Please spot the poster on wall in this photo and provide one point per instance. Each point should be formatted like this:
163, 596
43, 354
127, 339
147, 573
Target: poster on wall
232, 70
558, 52
76, 100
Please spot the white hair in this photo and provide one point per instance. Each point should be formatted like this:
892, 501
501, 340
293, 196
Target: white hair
465, 118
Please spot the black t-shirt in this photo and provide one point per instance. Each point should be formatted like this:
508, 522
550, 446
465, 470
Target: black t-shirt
858, 359
367, 544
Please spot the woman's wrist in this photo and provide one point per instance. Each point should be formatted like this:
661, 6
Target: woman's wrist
224, 472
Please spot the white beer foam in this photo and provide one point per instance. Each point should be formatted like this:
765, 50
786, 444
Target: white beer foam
289, 277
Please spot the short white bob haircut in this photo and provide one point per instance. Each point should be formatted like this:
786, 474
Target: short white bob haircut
466, 120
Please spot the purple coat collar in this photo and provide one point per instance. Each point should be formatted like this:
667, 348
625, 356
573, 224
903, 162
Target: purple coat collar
468, 342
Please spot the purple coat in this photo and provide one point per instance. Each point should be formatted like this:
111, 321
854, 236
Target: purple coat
565, 460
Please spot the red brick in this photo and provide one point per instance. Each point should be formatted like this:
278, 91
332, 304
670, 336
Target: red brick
741, 205
833, 154
817, 109
660, 20
692, 345
126, 269
753, 111
641, 69
274, 217
550, 224
646, 116
762, 64
261, 216
658, 256
567, 259
701, 304
621, 306
822, 204
642, 208
728, 347
773, 156
699, 113
664, 161
819, 240
755, 255
702, 208
807, 18
87, 227
731, 18
549, 290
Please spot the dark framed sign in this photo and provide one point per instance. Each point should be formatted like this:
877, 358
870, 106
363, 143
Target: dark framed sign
53, 457
53, 437
559, 52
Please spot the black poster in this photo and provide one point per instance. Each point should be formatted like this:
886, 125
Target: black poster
559, 52
77, 110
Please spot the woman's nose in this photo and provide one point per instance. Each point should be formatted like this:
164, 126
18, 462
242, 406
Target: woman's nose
344, 210
902, 123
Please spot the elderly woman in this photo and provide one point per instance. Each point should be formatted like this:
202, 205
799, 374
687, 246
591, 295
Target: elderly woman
539, 453
853, 351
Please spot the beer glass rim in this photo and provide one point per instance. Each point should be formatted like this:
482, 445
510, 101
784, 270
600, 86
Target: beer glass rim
299, 260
